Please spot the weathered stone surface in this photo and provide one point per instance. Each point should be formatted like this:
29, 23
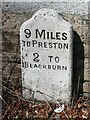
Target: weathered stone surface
86, 87
86, 69
89, 51
79, 25
64, 6
12, 70
13, 18
46, 49
86, 55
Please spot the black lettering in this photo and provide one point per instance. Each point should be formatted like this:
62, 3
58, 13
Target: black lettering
60, 45
24, 43
52, 37
26, 65
53, 67
34, 42
57, 59
44, 66
64, 67
58, 67
40, 44
64, 36
30, 65
65, 45
47, 35
49, 66
28, 44
35, 66
39, 66
45, 44
27, 33
50, 45
42, 33
54, 45
58, 35
22, 64
36, 55
50, 58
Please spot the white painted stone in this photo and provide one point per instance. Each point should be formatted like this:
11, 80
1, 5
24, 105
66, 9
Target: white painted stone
46, 55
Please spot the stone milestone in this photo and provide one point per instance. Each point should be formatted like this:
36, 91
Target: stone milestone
46, 56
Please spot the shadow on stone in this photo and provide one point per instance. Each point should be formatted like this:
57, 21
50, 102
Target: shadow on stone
78, 66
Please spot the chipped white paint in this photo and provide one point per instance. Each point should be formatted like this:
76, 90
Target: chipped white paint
46, 50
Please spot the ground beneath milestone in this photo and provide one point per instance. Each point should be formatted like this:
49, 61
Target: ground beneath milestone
17, 108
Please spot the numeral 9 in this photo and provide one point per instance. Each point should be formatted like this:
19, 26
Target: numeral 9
27, 33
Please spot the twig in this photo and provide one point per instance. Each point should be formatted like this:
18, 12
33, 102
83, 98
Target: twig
66, 115
45, 94
12, 71
3, 100
6, 111
6, 83
4, 66
11, 92
38, 92
45, 98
